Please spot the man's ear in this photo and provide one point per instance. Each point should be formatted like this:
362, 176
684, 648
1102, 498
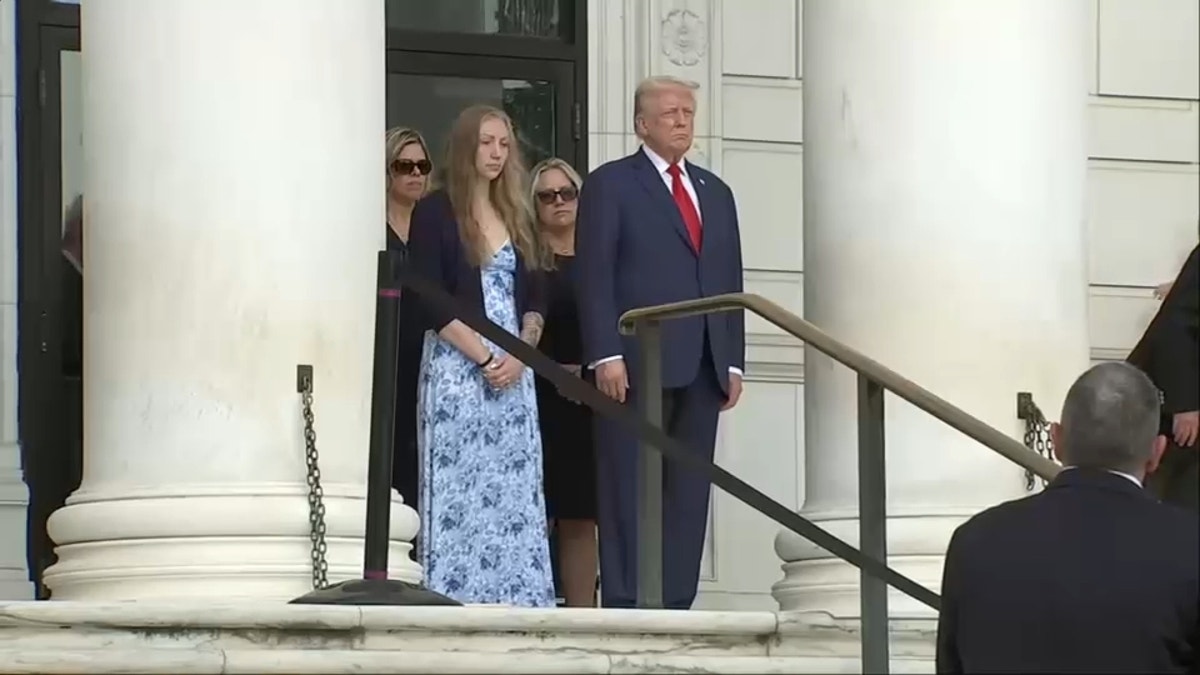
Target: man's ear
1056, 440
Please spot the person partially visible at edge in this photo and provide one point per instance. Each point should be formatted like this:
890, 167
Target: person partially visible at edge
407, 174
483, 514
1092, 575
567, 447
1169, 352
655, 228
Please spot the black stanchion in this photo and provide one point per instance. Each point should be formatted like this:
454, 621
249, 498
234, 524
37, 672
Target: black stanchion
375, 588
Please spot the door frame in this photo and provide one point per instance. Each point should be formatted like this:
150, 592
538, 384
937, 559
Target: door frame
568, 51
42, 37
568, 130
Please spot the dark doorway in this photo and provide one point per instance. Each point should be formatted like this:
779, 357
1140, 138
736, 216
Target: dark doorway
49, 208
527, 57
427, 91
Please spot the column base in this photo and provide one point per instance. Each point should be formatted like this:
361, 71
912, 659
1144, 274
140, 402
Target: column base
249, 542
815, 580
14, 515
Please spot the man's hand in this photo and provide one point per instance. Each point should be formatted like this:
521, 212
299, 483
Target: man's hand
735, 392
1186, 427
612, 379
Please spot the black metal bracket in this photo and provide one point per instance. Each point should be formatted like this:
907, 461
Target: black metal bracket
1025, 406
304, 378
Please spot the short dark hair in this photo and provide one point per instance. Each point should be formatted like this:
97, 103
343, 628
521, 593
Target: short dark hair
1110, 419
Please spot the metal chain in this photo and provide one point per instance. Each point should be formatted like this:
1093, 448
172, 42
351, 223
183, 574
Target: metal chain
1037, 435
316, 501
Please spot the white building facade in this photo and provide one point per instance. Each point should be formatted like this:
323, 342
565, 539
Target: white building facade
1025, 275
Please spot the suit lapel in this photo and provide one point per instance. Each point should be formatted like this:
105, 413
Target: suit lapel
654, 184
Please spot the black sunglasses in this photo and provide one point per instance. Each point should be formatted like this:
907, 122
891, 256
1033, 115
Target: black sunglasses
547, 197
404, 167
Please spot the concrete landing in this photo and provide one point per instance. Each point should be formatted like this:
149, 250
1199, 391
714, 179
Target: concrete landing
76, 637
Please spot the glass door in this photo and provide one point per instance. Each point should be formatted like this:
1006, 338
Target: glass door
426, 91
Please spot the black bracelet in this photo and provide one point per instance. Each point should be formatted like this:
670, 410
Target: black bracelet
487, 361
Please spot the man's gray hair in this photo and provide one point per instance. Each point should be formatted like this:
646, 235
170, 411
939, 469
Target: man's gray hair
1110, 419
654, 84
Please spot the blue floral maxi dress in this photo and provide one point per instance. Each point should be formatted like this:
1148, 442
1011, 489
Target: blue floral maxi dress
483, 514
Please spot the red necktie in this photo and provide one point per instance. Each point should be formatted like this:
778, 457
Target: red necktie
687, 209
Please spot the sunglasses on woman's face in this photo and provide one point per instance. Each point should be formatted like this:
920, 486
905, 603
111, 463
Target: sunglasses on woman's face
404, 167
548, 197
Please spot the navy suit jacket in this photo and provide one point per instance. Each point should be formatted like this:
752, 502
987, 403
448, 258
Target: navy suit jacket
632, 249
1093, 575
436, 252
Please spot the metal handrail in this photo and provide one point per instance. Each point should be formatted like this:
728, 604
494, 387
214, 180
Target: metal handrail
873, 380
952, 415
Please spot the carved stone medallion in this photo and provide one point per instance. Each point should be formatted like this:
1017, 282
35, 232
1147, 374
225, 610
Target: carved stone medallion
684, 38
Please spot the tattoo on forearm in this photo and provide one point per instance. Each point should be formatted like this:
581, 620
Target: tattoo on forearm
531, 328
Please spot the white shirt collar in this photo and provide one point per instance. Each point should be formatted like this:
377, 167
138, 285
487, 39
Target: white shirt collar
661, 164
1122, 474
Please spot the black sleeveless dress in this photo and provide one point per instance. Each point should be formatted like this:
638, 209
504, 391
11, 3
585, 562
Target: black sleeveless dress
568, 453
408, 366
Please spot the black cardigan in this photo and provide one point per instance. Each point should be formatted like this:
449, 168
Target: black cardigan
436, 252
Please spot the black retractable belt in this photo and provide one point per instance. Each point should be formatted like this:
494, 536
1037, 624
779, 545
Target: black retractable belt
376, 589
576, 388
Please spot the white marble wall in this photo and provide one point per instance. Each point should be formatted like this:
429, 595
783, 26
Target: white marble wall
1145, 167
746, 55
14, 581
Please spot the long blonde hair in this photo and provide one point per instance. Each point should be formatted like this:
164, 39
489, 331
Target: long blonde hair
397, 139
506, 192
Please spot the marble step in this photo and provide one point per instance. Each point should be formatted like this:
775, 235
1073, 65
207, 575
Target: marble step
187, 638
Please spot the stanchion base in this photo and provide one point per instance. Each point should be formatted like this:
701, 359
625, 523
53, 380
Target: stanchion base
375, 592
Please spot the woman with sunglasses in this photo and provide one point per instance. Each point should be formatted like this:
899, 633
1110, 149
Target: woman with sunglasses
568, 456
408, 169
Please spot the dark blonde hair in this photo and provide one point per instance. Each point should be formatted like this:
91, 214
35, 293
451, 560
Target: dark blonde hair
397, 139
506, 192
545, 165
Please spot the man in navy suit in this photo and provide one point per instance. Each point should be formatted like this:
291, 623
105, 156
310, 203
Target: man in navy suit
1092, 575
655, 228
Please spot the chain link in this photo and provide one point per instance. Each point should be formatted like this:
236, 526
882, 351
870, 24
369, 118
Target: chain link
1037, 437
316, 501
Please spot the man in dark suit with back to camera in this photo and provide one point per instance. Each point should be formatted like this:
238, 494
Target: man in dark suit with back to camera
1169, 352
655, 228
1092, 575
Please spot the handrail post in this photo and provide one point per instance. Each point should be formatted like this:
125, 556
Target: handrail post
650, 463
872, 525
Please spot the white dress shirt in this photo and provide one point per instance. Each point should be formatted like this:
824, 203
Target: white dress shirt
1127, 476
661, 165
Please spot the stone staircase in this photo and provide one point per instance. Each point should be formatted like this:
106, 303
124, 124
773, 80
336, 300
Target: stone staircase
187, 638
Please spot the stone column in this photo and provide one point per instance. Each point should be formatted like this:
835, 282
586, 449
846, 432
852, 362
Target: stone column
233, 178
944, 235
